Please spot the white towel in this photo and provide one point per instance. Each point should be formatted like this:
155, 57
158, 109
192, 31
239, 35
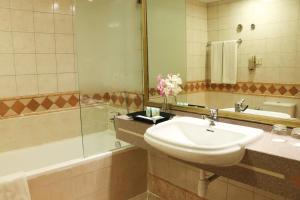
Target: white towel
14, 187
216, 62
230, 62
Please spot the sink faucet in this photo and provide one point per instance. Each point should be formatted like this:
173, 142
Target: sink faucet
213, 116
239, 107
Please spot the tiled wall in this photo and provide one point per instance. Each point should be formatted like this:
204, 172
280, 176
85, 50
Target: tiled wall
165, 172
196, 25
120, 176
275, 39
34, 130
36, 47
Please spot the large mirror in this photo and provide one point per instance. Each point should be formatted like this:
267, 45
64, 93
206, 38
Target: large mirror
240, 56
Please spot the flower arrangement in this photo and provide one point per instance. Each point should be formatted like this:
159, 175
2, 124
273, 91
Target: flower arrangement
169, 86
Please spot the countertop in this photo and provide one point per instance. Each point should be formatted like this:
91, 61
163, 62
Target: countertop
272, 166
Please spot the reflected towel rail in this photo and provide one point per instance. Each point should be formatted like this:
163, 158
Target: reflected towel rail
239, 41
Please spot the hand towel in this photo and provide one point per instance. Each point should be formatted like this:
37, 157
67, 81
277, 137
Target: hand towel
230, 62
14, 187
216, 62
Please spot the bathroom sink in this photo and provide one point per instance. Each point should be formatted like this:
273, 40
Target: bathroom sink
262, 112
191, 139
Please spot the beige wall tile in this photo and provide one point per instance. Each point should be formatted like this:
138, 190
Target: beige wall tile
27, 85
24, 42
63, 6
45, 43
158, 165
8, 86
33, 32
39, 129
66, 82
43, 5
7, 64
5, 42
235, 193
177, 173
47, 83
63, 23
64, 43
217, 190
25, 64
65, 63
46, 63
5, 4
22, 21
261, 194
274, 39
260, 197
43, 22
101, 183
5, 19
22, 4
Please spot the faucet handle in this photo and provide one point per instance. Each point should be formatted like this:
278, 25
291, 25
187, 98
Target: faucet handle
241, 102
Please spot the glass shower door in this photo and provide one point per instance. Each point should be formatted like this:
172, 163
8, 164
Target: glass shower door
109, 62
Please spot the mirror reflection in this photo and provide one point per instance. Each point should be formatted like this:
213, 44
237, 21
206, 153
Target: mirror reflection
234, 55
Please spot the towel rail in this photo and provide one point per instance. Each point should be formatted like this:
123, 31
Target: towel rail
239, 41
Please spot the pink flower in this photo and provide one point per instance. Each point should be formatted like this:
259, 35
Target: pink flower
161, 86
170, 86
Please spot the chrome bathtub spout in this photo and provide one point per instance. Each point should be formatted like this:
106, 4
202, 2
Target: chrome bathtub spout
239, 107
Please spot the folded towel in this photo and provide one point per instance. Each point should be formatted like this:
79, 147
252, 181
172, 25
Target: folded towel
230, 62
216, 62
14, 187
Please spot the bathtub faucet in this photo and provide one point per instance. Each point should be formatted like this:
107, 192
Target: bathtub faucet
239, 107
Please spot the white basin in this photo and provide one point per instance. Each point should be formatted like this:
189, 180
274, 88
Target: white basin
262, 112
189, 139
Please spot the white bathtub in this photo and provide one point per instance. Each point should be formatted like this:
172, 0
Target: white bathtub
62, 151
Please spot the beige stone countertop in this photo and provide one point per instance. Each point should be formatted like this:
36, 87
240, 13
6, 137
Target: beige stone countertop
288, 149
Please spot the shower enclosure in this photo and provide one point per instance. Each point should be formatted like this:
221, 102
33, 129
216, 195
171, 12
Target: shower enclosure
108, 43
82, 65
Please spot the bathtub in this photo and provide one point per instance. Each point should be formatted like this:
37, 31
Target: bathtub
36, 157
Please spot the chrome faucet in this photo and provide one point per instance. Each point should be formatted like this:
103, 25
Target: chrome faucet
239, 107
213, 116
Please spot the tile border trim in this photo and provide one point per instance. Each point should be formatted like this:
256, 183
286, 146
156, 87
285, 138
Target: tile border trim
249, 88
54, 102
38, 104
124, 99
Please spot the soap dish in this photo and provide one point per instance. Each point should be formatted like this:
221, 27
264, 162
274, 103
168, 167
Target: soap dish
141, 116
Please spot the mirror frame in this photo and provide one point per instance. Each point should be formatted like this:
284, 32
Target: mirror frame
292, 123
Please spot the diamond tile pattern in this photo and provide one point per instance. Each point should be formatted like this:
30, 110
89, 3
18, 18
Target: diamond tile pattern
132, 100
3, 108
24, 105
268, 89
33, 105
18, 107
60, 102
